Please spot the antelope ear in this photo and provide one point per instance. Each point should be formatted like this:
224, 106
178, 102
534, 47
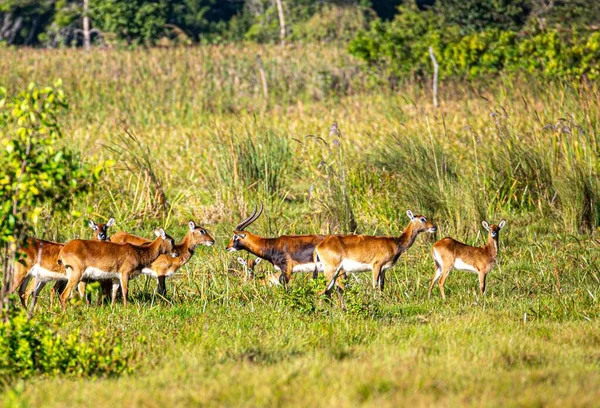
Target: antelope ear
502, 224
241, 261
485, 225
160, 233
192, 225
92, 225
110, 222
410, 214
258, 260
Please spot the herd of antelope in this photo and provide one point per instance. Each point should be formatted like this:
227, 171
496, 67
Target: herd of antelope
114, 260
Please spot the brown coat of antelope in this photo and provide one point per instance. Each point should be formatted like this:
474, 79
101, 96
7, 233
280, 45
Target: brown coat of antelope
108, 260
165, 266
361, 253
288, 253
450, 254
40, 261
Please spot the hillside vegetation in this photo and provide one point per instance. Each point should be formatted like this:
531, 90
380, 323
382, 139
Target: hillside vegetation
192, 136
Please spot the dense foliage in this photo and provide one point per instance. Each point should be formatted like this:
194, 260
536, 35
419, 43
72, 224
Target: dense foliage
467, 49
29, 347
54, 23
35, 169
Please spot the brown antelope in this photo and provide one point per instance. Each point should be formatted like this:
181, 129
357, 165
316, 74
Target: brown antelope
165, 266
450, 254
110, 261
123, 237
361, 253
40, 258
288, 253
101, 234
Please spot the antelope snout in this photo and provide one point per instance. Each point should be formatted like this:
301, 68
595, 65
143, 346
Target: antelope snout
433, 229
209, 243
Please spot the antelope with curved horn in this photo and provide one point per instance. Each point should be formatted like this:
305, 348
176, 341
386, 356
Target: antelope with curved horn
449, 254
165, 266
109, 260
361, 253
287, 253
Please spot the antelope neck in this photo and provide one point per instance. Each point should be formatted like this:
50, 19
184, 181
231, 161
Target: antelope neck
185, 249
407, 238
148, 253
492, 246
255, 245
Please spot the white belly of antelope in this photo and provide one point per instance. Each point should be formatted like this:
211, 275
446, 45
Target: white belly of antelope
463, 266
92, 273
45, 275
308, 268
304, 268
350, 266
154, 274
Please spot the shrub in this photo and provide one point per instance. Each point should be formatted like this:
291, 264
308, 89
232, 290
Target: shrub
400, 48
31, 347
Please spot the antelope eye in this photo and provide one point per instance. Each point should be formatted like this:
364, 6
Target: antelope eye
203, 232
423, 219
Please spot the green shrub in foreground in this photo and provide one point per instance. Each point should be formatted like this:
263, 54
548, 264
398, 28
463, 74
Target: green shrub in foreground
32, 347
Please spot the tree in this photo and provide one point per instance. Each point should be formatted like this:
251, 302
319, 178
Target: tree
38, 176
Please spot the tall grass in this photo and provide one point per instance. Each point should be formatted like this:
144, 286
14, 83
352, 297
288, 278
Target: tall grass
515, 149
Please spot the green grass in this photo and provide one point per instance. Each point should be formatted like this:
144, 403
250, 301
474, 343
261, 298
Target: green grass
216, 148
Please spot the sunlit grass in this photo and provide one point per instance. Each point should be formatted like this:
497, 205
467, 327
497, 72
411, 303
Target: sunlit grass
515, 149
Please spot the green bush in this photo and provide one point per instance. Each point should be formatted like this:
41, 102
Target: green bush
32, 347
400, 48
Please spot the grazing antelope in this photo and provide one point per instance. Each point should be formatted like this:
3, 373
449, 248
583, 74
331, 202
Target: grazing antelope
361, 253
249, 266
109, 260
450, 254
288, 253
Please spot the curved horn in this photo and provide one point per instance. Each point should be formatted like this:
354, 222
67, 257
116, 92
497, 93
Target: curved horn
249, 220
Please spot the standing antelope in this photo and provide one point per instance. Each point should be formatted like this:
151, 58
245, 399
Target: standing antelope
101, 234
287, 253
109, 260
40, 259
361, 253
450, 254
165, 266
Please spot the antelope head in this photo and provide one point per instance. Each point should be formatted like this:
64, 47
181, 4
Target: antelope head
199, 236
167, 244
420, 223
494, 229
101, 230
239, 235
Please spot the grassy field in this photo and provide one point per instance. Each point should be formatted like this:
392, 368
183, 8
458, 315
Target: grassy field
194, 124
